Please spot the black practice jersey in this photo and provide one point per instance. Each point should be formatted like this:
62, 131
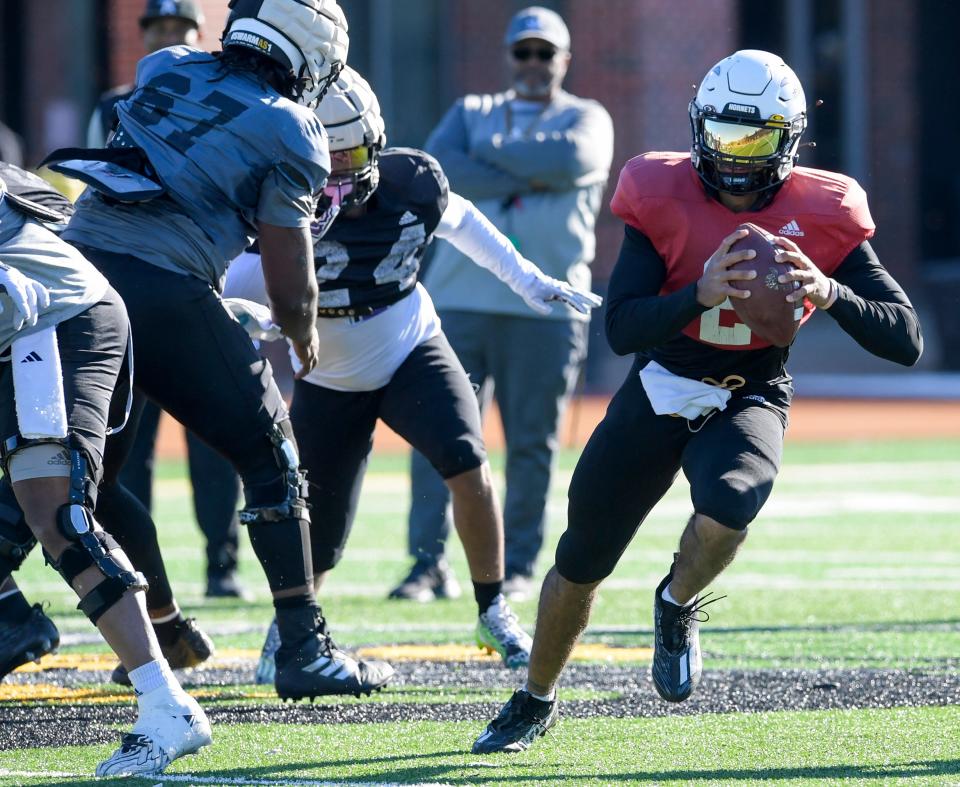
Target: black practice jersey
373, 260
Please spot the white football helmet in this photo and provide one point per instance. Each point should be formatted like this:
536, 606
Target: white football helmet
747, 119
350, 113
309, 37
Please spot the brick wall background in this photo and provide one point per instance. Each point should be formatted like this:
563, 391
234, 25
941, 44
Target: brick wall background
640, 58
126, 46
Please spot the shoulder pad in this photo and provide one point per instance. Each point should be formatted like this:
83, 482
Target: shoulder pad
33, 196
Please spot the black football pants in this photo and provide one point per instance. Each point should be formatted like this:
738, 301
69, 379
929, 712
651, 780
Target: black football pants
634, 456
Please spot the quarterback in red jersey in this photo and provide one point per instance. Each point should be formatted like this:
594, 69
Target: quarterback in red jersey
705, 394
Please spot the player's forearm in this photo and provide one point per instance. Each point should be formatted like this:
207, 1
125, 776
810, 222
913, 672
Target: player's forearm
636, 324
295, 315
290, 279
472, 234
873, 308
638, 318
888, 330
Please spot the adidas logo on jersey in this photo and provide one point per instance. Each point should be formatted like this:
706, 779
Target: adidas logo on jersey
407, 218
792, 228
31, 357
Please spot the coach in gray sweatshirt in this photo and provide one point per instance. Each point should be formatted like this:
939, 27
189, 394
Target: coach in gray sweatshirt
535, 160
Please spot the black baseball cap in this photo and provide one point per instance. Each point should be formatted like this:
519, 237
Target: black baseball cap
180, 9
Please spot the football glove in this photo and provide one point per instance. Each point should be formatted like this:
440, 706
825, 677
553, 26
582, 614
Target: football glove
254, 318
29, 297
544, 289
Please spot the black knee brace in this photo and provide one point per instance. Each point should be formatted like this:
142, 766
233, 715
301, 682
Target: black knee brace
291, 487
87, 547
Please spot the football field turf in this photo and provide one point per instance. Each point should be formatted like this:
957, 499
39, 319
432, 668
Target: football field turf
833, 658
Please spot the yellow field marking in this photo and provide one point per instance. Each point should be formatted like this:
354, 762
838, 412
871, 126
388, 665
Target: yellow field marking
47, 692
228, 657
89, 662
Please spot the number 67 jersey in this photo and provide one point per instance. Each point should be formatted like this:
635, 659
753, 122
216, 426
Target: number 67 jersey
230, 153
661, 195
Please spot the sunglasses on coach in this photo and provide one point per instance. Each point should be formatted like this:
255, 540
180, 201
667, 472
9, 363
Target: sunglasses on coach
523, 54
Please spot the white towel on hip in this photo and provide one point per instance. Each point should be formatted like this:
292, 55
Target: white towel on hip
671, 394
38, 385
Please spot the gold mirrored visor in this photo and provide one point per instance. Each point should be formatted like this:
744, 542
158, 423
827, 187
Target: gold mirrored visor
352, 160
741, 141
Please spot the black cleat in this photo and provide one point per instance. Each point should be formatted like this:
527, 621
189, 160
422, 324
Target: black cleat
191, 647
677, 663
427, 580
521, 721
317, 667
27, 641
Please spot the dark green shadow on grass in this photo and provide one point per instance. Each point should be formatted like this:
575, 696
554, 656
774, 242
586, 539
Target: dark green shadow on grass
489, 770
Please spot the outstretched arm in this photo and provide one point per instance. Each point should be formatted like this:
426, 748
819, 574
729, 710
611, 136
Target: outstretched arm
471, 233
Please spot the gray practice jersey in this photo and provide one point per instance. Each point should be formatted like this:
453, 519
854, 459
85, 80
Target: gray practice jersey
74, 284
230, 151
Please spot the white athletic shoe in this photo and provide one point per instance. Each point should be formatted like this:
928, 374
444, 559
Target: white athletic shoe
267, 666
499, 630
167, 729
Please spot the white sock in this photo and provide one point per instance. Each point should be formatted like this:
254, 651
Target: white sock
548, 698
666, 596
153, 676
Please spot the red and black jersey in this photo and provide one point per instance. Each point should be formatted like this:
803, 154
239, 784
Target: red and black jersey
660, 195
373, 260
673, 225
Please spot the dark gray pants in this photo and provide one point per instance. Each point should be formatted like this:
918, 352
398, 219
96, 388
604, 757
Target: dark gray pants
533, 364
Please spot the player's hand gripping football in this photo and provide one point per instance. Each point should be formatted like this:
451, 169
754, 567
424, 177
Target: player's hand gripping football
29, 297
308, 353
815, 286
714, 287
545, 289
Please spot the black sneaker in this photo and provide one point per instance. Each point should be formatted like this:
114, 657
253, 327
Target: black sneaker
27, 641
427, 580
677, 664
318, 667
191, 647
521, 721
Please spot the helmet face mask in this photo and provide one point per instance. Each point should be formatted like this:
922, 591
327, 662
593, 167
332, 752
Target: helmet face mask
350, 113
354, 176
746, 121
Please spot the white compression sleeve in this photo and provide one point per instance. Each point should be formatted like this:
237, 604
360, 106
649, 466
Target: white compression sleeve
472, 234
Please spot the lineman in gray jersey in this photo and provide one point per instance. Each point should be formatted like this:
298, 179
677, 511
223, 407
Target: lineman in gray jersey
383, 354
237, 153
64, 338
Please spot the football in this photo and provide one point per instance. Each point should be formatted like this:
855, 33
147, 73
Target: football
766, 312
